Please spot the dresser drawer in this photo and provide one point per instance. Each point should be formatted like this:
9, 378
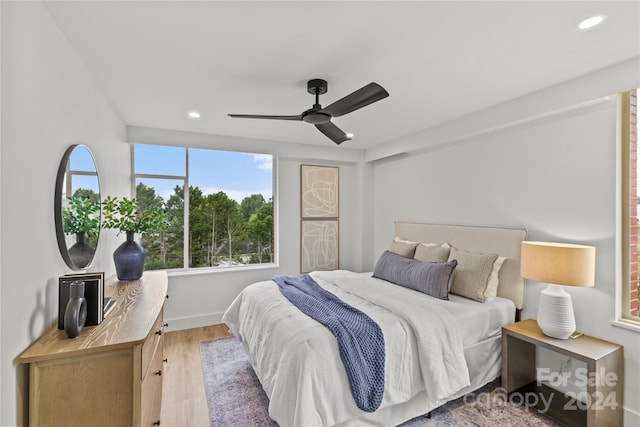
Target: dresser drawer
151, 344
151, 390
87, 390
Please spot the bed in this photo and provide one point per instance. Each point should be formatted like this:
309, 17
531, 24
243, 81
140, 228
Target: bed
435, 349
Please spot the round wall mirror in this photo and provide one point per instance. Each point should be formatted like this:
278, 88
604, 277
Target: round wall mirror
77, 207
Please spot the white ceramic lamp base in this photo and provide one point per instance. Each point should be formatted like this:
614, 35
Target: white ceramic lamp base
555, 313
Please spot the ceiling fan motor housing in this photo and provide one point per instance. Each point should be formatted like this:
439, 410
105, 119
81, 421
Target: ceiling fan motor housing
314, 117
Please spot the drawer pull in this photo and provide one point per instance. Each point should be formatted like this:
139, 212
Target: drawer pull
157, 423
159, 373
159, 332
167, 297
165, 325
165, 360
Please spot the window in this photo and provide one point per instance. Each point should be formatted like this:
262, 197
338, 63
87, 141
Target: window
225, 219
630, 252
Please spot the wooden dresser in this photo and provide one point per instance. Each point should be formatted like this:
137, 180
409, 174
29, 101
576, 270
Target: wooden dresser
111, 375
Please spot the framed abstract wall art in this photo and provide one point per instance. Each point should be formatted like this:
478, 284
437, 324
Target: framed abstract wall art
319, 191
319, 243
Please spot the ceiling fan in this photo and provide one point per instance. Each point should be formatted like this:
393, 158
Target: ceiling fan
321, 117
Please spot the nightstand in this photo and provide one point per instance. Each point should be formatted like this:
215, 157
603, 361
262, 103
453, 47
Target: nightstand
600, 405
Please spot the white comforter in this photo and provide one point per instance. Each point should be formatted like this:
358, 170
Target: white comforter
297, 359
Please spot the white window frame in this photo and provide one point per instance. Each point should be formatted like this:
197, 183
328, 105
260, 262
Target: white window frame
191, 270
622, 312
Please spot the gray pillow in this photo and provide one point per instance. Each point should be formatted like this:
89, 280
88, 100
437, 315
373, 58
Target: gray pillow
431, 278
471, 277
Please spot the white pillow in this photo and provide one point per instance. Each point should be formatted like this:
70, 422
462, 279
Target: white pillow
491, 290
397, 239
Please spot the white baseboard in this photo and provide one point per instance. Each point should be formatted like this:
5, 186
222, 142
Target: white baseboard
179, 324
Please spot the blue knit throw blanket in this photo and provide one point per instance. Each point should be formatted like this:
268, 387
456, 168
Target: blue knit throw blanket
360, 339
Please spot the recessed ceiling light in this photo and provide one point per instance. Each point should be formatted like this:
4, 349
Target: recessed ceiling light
195, 115
591, 22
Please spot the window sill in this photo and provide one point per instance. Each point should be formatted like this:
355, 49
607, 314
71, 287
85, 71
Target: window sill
217, 270
627, 324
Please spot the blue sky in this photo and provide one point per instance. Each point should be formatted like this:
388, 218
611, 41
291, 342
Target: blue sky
83, 181
237, 174
81, 160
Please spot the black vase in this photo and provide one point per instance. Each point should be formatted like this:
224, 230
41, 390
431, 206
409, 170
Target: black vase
75, 315
81, 253
129, 259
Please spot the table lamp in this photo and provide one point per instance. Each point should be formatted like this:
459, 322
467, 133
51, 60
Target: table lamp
557, 264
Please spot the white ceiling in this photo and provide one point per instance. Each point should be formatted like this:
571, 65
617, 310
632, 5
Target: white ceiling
439, 60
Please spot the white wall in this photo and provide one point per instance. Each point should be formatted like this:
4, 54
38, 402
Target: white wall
553, 175
200, 298
49, 101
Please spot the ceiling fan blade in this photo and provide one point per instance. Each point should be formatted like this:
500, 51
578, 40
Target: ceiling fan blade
360, 98
253, 116
333, 132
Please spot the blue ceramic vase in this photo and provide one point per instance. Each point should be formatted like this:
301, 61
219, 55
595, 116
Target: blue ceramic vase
129, 259
75, 314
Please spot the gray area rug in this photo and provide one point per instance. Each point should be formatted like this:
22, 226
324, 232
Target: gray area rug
236, 398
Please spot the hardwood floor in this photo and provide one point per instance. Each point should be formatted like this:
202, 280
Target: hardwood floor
184, 402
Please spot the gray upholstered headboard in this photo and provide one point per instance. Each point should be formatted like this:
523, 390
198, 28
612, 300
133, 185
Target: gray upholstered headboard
505, 242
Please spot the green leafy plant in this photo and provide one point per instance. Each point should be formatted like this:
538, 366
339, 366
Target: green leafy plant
124, 214
82, 215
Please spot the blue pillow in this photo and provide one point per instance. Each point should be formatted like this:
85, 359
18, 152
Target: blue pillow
431, 278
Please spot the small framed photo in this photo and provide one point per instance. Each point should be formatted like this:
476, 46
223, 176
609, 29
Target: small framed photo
93, 293
319, 243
